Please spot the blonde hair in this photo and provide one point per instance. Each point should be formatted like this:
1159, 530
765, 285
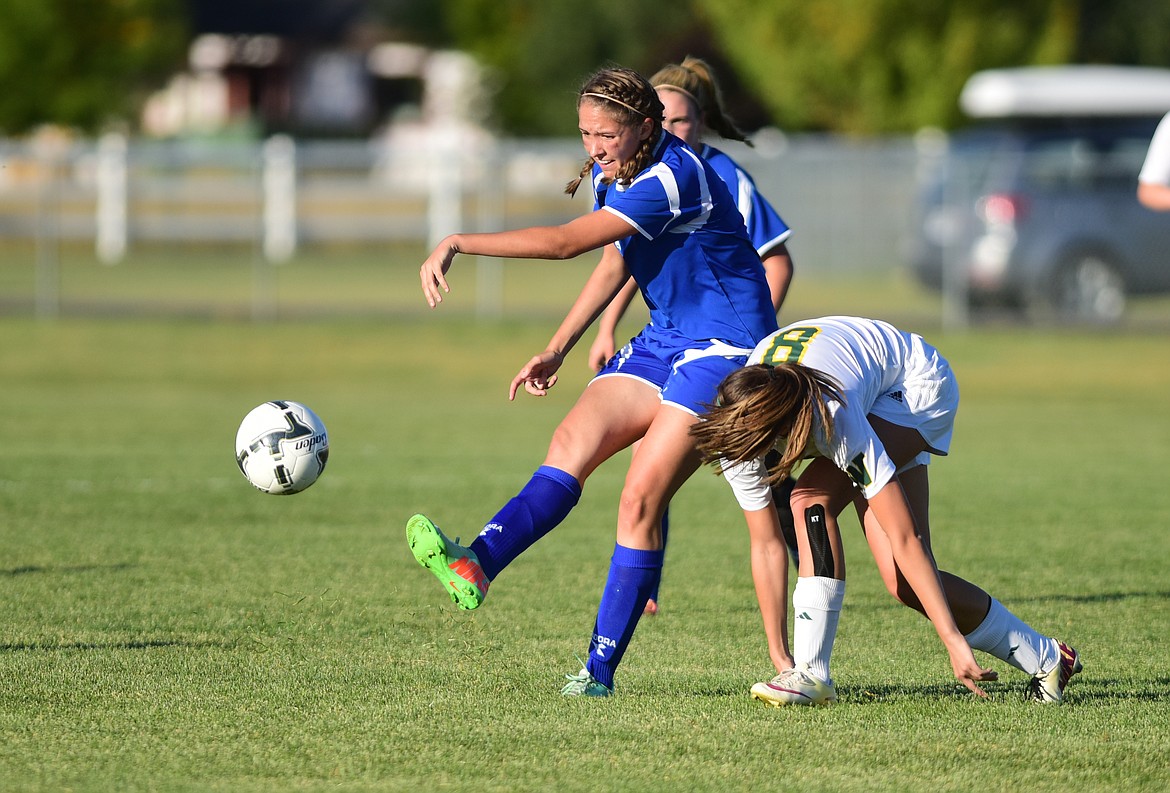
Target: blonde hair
630, 99
759, 405
695, 79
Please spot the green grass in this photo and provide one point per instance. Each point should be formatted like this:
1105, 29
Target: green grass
355, 282
166, 627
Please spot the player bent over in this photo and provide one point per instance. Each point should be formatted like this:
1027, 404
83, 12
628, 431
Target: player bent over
870, 405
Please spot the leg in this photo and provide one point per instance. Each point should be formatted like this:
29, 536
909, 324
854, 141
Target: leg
987, 625
652, 602
781, 497
968, 602
610, 415
607, 417
664, 461
818, 498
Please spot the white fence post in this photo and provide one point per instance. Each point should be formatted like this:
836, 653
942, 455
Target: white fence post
445, 203
50, 154
112, 218
280, 198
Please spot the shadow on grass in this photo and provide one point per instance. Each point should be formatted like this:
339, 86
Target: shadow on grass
1093, 691
31, 569
1100, 597
883, 602
144, 644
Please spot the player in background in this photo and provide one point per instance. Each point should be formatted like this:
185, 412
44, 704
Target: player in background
693, 105
1154, 180
870, 405
665, 218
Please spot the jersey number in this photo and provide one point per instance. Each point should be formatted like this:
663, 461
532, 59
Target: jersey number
790, 346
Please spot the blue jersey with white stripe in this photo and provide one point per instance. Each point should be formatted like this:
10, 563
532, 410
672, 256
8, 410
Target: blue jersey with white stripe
697, 270
765, 227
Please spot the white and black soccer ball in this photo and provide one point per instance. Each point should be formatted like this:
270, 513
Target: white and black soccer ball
282, 447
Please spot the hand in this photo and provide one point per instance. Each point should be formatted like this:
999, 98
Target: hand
433, 270
538, 375
601, 351
967, 669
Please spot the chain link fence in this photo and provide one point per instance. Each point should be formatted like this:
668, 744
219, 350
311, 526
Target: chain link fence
851, 204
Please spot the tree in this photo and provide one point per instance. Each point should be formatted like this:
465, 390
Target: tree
874, 66
84, 64
542, 50
859, 66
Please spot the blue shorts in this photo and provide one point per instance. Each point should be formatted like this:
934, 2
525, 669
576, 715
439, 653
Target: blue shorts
685, 372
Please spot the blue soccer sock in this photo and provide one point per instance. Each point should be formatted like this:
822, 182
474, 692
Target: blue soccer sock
665, 531
632, 574
543, 503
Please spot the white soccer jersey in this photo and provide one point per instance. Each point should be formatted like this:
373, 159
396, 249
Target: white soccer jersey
881, 371
1156, 167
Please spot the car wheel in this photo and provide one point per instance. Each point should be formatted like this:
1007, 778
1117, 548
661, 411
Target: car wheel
1088, 289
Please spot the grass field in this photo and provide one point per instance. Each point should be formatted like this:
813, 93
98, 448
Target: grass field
166, 627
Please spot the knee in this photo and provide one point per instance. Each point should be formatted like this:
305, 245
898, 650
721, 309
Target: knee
636, 505
573, 451
640, 506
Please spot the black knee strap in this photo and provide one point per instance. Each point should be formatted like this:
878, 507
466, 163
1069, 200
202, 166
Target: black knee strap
818, 541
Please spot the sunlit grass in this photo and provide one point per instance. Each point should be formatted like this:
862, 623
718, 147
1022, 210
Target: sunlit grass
167, 627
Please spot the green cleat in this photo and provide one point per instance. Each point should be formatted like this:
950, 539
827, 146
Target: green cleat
584, 684
456, 567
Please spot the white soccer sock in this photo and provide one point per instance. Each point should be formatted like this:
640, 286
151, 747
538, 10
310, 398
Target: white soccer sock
816, 606
1010, 639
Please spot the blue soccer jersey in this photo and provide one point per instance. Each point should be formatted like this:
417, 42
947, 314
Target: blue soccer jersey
765, 227
697, 270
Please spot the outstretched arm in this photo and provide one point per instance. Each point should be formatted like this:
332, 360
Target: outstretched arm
579, 235
770, 575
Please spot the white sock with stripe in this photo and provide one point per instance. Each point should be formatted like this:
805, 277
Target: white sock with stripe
816, 606
1008, 638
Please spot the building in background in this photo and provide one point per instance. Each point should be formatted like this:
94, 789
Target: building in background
309, 68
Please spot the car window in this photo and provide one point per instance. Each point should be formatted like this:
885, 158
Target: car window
1061, 164
1121, 164
1084, 162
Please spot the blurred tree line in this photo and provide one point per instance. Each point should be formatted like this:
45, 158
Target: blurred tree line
857, 66
85, 63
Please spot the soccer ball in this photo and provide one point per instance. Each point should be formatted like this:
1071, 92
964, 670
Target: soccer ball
282, 447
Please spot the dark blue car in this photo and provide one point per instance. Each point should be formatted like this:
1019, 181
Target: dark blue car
1034, 207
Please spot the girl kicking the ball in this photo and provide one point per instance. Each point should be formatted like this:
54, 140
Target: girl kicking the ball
693, 104
663, 216
870, 405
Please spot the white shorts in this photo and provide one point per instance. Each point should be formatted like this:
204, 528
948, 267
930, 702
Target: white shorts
925, 399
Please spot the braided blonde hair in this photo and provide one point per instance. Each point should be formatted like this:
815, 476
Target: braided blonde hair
630, 99
759, 405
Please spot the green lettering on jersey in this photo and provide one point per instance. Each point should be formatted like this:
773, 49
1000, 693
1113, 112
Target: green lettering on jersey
790, 346
858, 473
